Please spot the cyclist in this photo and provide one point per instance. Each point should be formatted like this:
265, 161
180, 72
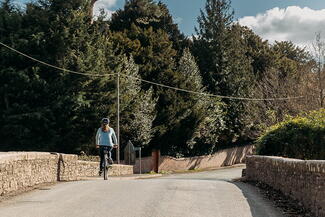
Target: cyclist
105, 140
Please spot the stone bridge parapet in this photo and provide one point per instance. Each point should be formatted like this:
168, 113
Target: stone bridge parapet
303, 180
20, 171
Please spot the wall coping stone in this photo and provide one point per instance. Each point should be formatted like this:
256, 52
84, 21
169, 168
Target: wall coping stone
6, 157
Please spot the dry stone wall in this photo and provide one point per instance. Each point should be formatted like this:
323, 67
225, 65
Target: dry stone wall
300, 179
22, 170
19, 171
88, 169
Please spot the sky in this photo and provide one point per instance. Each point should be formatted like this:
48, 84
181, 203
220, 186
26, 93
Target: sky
293, 20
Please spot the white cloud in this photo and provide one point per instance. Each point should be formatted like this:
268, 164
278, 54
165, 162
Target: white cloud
295, 24
104, 4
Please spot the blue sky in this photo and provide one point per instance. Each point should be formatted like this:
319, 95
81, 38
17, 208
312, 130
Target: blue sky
274, 20
188, 10
295, 20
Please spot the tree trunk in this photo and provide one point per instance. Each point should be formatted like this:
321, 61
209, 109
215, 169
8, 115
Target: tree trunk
91, 9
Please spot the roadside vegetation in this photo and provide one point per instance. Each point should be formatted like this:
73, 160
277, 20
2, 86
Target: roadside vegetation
46, 109
301, 137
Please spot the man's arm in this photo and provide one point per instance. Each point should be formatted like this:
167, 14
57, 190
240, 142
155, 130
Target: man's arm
114, 139
97, 138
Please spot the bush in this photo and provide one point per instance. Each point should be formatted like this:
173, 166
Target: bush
301, 137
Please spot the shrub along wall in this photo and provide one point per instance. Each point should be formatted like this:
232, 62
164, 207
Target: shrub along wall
300, 137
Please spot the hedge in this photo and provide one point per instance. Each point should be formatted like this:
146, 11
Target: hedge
301, 137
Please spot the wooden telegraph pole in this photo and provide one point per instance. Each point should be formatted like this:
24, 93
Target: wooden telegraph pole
118, 118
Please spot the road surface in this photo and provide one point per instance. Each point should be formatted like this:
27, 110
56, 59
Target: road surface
203, 194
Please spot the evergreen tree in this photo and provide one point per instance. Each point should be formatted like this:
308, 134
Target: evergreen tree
211, 45
145, 14
197, 120
205, 123
60, 109
137, 106
290, 59
26, 118
138, 31
152, 51
91, 51
258, 51
221, 53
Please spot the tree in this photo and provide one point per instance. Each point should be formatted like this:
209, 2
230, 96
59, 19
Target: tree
26, 118
221, 52
60, 109
145, 14
137, 107
152, 51
319, 56
195, 121
90, 50
212, 42
291, 51
289, 76
139, 31
259, 51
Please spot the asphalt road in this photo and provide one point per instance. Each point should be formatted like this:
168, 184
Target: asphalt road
203, 194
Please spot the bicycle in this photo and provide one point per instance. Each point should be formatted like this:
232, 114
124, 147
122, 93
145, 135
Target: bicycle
106, 164
107, 160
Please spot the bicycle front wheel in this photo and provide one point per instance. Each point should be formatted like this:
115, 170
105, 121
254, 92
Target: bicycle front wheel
105, 168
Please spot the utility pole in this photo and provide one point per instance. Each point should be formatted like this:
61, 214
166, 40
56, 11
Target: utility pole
118, 118
320, 85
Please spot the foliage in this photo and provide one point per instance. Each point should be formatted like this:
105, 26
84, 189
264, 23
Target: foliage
52, 110
288, 74
196, 123
150, 36
221, 51
145, 14
36, 96
301, 137
212, 43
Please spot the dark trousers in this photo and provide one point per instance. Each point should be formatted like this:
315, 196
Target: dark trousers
101, 154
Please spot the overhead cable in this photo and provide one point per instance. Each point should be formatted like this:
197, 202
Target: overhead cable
212, 95
153, 83
53, 66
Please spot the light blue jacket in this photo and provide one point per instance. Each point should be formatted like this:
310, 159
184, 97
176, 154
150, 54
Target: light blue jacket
106, 138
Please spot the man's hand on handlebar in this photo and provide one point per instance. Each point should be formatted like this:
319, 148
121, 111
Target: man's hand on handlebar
115, 146
97, 146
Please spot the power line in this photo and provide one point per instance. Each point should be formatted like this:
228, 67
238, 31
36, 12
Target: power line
212, 95
151, 82
53, 66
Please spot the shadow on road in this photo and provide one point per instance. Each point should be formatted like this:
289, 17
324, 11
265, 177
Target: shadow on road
196, 179
256, 202
259, 206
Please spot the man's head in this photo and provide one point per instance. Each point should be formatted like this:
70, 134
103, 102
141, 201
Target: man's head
105, 121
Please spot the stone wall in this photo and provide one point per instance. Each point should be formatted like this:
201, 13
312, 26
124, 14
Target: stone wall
222, 158
88, 169
299, 179
146, 165
22, 170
